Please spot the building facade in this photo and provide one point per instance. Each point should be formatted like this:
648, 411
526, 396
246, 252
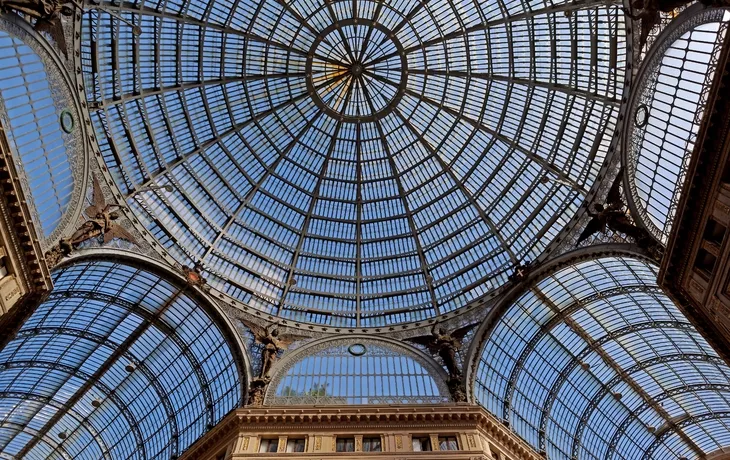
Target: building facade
454, 431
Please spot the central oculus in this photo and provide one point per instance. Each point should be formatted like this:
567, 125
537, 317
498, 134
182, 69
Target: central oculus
356, 71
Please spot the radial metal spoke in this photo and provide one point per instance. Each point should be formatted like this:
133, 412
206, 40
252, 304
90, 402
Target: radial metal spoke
446, 169
552, 9
251, 193
519, 81
336, 22
479, 125
310, 211
411, 14
428, 279
207, 144
371, 27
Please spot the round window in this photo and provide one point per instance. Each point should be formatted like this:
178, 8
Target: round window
357, 349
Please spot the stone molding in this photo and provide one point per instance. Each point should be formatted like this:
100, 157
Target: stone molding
313, 419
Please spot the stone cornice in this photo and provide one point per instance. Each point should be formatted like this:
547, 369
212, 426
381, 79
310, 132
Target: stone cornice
363, 418
24, 242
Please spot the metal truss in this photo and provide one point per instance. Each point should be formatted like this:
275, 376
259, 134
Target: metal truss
680, 425
606, 389
155, 320
26, 429
579, 358
559, 318
49, 401
108, 392
444, 276
119, 352
613, 444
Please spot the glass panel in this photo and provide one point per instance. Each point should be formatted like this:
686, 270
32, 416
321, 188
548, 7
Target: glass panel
65, 370
375, 375
34, 131
295, 445
422, 444
466, 149
667, 117
269, 445
543, 368
371, 444
448, 443
345, 445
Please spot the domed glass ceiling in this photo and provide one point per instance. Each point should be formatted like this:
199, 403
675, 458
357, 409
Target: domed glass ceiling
355, 163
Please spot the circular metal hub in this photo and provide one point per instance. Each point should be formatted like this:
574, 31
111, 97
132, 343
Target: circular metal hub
356, 78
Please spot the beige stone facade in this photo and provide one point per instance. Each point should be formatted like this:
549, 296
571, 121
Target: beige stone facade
251, 433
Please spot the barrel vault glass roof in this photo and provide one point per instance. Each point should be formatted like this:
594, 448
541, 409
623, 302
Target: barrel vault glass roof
355, 162
66, 392
595, 362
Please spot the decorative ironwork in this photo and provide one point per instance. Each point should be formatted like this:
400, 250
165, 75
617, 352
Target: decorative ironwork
678, 426
657, 399
556, 320
140, 342
672, 83
589, 321
101, 223
272, 345
634, 415
387, 373
364, 170
47, 15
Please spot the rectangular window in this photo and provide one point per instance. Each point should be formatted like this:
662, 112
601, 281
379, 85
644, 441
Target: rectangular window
422, 444
295, 445
345, 445
371, 445
269, 445
448, 443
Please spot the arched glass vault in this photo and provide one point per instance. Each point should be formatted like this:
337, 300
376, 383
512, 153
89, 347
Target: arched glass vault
355, 164
594, 361
118, 362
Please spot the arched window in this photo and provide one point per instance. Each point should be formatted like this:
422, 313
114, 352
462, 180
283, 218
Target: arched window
595, 361
118, 362
38, 121
665, 113
349, 371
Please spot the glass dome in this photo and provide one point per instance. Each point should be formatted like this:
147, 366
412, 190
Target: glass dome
116, 363
37, 118
355, 163
595, 361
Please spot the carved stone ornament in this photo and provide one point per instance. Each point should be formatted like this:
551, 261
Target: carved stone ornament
100, 225
257, 391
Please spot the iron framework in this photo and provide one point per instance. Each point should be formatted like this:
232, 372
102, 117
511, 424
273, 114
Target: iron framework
355, 164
